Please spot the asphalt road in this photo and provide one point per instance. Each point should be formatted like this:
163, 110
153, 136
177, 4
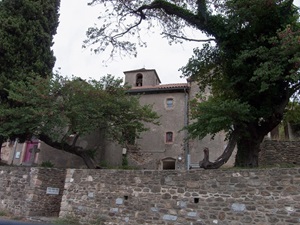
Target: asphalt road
12, 222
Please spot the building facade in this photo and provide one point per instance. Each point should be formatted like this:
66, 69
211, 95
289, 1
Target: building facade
165, 146
162, 147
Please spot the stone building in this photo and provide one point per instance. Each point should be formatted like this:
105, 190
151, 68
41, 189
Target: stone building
36, 152
164, 146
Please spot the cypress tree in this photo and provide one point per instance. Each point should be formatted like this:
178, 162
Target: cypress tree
27, 28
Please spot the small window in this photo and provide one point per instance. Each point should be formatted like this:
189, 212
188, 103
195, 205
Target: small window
170, 103
139, 80
169, 137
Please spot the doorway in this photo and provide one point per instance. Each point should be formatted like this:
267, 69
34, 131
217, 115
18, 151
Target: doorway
28, 151
169, 164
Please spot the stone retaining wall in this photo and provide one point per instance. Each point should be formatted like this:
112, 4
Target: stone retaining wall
274, 153
224, 197
23, 190
114, 197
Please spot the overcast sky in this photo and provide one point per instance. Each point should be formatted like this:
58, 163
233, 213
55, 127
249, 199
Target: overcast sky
76, 17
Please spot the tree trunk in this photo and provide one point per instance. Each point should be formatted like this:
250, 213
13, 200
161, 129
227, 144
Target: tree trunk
248, 152
89, 162
206, 164
72, 149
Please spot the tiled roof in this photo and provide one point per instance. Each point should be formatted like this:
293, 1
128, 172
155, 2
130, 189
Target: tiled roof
161, 87
138, 70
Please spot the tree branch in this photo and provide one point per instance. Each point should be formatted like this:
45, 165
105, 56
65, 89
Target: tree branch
76, 150
188, 39
206, 164
72, 149
172, 9
128, 30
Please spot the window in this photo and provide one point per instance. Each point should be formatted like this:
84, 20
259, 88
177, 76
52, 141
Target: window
169, 137
139, 80
170, 103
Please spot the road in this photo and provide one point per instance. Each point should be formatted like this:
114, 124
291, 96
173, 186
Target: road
12, 222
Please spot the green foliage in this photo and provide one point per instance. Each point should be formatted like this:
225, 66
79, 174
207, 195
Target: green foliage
26, 36
26, 33
124, 161
104, 164
47, 164
59, 106
291, 117
101, 220
292, 114
16, 217
67, 220
215, 115
257, 64
92, 153
251, 63
3, 213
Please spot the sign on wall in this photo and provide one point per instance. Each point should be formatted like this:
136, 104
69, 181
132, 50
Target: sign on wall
52, 191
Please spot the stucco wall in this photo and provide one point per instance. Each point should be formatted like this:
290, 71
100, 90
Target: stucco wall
216, 145
23, 190
104, 150
230, 197
152, 145
149, 77
59, 158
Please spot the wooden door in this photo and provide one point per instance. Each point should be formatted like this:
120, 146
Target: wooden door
29, 146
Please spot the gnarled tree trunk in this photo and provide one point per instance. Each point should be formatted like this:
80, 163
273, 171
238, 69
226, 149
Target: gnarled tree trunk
206, 164
70, 148
247, 154
248, 151
89, 162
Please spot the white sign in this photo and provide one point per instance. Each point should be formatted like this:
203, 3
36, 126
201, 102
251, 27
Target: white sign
18, 154
52, 191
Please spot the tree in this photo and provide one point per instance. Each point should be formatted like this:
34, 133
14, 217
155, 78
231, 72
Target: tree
291, 119
55, 109
27, 30
250, 60
26, 37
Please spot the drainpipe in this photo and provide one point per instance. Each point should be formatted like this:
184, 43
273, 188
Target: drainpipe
186, 121
15, 148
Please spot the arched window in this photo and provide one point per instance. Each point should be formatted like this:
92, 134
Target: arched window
139, 80
170, 103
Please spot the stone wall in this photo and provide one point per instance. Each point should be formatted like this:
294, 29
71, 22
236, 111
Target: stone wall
224, 197
13, 185
116, 197
23, 190
274, 153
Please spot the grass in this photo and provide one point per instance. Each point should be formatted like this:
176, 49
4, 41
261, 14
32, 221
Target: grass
3, 164
17, 218
68, 220
3, 213
6, 215
71, 220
